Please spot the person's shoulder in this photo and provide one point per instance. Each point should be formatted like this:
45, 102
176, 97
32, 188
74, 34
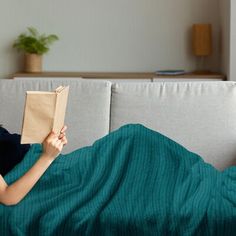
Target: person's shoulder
3, 131
5, 135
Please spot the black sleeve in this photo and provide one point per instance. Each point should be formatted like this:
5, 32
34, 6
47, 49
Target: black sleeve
11, 151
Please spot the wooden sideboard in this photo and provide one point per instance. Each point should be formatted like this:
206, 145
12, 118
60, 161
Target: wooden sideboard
134, 76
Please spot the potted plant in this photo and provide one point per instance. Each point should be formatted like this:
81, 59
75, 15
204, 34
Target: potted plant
34, 45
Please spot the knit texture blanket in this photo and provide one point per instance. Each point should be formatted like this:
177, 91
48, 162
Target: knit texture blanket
134, 181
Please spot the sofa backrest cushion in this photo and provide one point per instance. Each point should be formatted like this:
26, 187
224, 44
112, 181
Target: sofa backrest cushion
88, 110
199, 115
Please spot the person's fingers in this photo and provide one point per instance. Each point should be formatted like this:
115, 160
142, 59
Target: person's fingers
62, 132
50, 136
59, 145
55, 145
64, 140
61, 135
64, 128
52, 142
57, 142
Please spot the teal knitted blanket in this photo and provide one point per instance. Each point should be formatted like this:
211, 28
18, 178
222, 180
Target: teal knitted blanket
134, 181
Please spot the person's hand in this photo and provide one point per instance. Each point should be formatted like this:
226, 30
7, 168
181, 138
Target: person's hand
63, 132
53, 144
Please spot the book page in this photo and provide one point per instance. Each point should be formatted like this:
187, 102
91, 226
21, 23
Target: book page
38, 116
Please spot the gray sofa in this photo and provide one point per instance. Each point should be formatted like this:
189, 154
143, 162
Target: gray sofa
199, 115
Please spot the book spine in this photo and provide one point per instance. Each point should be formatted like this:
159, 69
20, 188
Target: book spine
54, 127
23, 141
60, 109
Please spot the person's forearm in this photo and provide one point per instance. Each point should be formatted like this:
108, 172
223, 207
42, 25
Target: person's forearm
15, 192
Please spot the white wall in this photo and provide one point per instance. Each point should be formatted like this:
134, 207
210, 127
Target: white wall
109, 35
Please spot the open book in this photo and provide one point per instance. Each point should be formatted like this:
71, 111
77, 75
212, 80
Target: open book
44, 112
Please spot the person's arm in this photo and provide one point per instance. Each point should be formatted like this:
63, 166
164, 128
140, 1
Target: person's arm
13, 194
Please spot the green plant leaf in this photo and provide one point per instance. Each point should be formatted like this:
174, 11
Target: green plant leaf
33, 42
33, 32
50, 39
